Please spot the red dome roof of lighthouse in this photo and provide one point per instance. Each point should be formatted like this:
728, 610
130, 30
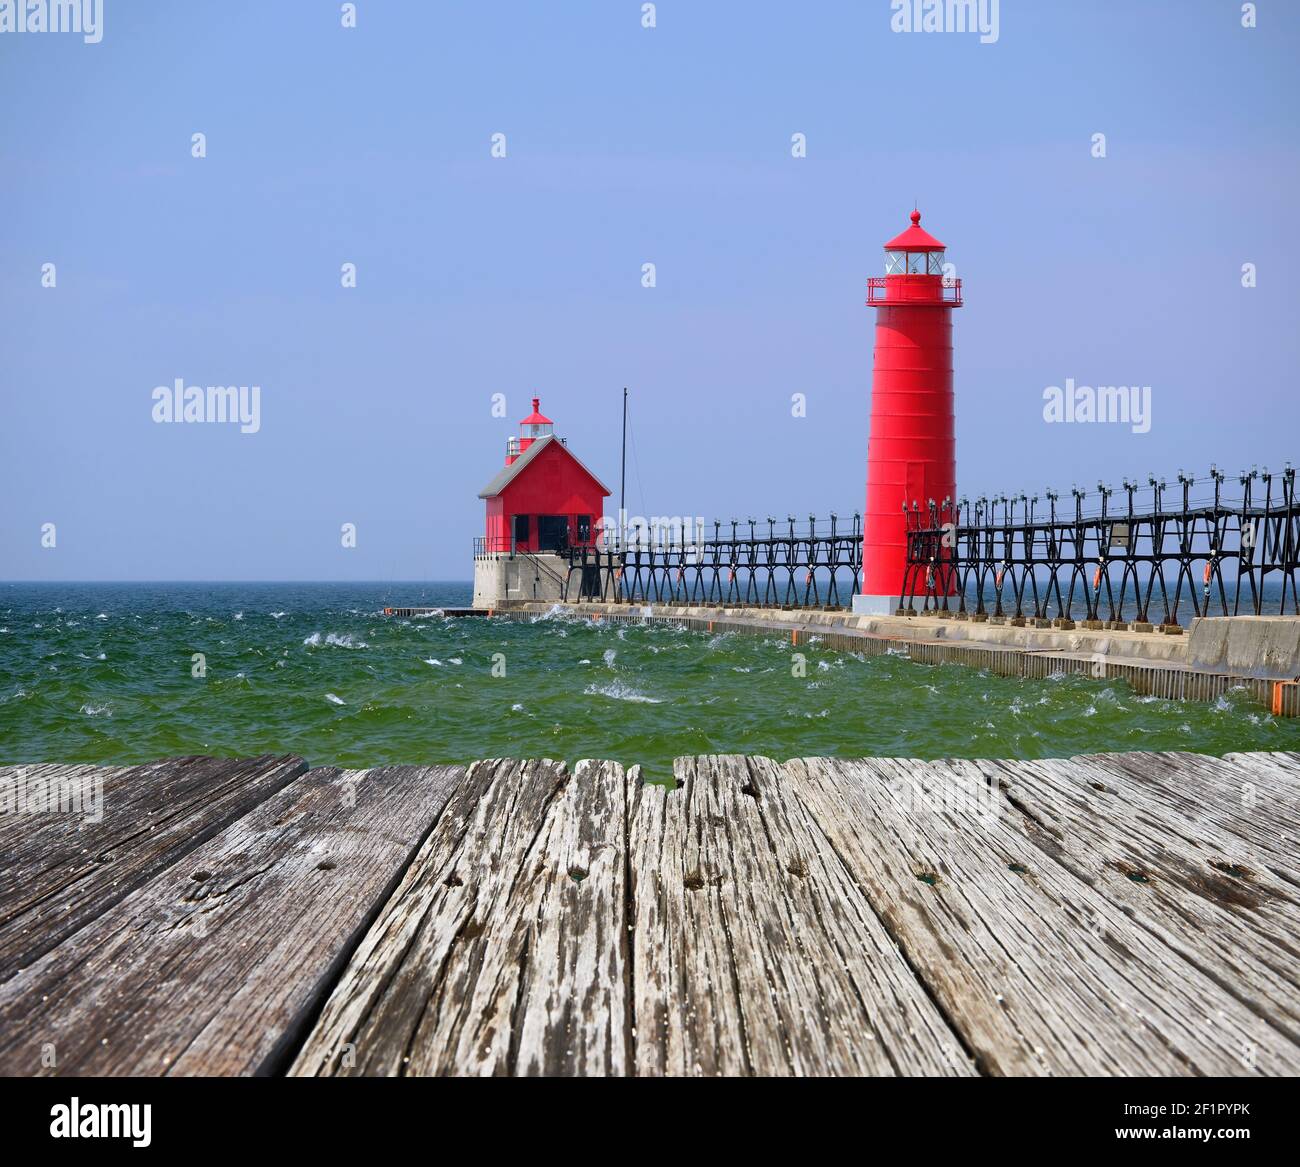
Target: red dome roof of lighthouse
536, 418
914, 238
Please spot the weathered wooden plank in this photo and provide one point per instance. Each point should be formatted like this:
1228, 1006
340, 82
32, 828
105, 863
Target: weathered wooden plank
504, 949
1255, 797
754, 950
1218, 825
214, 965
1287, 763
1202, 891
1006, 937
60, 869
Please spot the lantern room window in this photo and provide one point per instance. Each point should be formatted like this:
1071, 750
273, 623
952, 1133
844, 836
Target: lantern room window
914, 263
536, 430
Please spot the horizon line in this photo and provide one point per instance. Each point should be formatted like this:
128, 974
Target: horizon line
361, 582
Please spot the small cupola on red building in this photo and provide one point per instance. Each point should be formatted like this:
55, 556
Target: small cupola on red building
544, 499
534, 426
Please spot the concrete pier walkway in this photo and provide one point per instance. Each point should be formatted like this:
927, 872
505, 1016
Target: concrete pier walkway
1131, 914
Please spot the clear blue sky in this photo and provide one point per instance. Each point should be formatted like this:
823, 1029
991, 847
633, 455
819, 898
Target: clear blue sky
523, 275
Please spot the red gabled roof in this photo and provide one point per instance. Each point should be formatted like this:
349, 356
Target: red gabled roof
509, 473
914, 238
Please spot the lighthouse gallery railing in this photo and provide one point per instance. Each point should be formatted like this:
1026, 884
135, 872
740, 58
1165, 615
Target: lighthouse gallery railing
1140, 559
786, 565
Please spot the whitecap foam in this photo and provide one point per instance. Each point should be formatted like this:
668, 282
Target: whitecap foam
554, 612
618, 691
97, 710
344, 641
333, 699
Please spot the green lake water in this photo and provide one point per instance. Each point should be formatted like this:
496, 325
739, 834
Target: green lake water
105, 673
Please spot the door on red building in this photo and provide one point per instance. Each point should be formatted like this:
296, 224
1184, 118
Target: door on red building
552, 532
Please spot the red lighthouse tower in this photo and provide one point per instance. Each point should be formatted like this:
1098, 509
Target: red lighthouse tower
912, 449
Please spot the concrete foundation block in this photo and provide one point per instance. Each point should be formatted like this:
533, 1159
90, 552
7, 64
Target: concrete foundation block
503, 578
1253, 646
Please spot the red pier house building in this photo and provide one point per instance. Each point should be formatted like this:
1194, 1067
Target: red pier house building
912, 447
544, 499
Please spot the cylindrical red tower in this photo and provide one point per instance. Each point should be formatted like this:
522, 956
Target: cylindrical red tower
912, 449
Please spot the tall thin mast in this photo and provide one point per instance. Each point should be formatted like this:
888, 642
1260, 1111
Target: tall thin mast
622, 478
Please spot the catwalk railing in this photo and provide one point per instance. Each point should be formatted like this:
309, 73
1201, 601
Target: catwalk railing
817, 566
1158, 557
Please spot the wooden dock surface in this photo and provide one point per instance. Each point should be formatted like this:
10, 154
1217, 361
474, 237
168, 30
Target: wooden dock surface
1134, 914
